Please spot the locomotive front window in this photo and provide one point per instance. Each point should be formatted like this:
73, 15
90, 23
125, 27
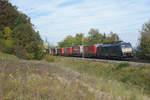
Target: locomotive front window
126, 45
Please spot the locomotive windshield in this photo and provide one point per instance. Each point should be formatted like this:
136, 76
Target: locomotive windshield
126, 45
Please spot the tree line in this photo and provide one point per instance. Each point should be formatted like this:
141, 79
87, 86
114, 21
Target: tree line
94, 37
17, 33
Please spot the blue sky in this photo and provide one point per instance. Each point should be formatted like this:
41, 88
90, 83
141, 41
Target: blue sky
55, 19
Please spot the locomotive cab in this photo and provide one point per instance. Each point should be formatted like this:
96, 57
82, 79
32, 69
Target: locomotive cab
127, 50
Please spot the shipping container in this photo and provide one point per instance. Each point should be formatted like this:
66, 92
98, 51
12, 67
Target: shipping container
68, 51
77, 51
59, 51
62, 51
90, 51
54, 51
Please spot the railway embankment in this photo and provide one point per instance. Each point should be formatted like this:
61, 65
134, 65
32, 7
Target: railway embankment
69, 79
125, 73
134, 62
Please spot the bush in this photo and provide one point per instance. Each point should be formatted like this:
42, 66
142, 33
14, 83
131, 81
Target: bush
20, 52
9, 46
39, 52
29, 56
122, 65
49, 58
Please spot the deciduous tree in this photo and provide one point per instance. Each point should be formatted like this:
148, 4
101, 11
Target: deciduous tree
143, 50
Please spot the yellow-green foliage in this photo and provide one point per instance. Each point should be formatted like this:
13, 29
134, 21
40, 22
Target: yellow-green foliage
49, 58
29, 56
6, 45
7, 32
9, 43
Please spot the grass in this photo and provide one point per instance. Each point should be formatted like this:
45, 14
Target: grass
38, 80
122, 65
25, 80
7, 56
134, 80
49, 58
70, 79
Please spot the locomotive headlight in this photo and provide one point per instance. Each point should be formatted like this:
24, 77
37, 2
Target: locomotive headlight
127, 50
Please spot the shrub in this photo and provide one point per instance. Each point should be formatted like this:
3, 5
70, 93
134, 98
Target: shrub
9, 45
122, 65
20, 52
39, 52
29, 56
49, 58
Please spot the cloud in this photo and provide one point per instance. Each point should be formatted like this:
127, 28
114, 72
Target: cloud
55, 19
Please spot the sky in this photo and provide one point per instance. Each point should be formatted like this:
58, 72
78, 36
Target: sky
55, 19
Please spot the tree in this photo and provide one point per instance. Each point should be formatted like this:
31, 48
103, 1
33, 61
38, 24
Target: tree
143, 50
67, 42
39, 52
113, 37
27, 38
95, 37
8, 14
6, 43
8, 46
17, 34
22, 19
78, 39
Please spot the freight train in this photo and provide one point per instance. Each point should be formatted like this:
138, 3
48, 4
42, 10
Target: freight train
116, 50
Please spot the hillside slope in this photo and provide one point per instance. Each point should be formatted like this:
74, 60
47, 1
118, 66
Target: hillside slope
40, 80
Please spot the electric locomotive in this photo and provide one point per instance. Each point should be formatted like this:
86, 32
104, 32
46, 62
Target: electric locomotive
116, 50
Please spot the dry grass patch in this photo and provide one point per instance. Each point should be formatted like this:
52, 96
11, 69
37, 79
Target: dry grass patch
31, 80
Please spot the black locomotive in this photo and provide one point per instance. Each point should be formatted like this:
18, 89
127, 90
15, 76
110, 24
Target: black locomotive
116, 50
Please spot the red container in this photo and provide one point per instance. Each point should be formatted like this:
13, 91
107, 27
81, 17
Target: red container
77, 50
68, 51
90, 51
62, 51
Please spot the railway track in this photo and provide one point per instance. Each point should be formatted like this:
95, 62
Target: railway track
138, 63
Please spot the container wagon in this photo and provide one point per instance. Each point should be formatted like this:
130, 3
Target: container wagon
59, 51
68, 51
90, 51
77, 51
